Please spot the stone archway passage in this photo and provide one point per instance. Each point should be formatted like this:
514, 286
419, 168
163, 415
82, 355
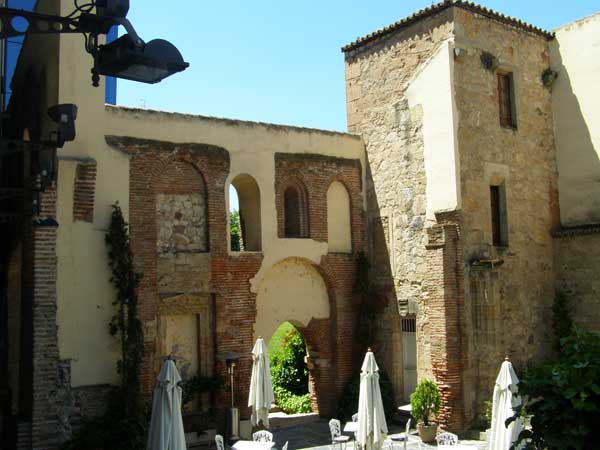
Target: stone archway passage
294, 291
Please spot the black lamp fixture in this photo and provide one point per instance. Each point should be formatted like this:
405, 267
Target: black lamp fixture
128, 57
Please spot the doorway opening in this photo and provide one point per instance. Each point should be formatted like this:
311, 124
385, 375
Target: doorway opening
409, 355
289, 370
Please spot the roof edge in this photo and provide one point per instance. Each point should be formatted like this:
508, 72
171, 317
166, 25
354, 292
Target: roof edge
438, 8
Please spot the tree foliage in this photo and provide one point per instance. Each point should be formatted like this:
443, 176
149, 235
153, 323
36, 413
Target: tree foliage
288, 368
289, 374
235, 230
125, 324
562, 318
426, 401
562, 396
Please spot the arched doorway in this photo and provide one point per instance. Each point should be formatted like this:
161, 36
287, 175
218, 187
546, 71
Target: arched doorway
294, 291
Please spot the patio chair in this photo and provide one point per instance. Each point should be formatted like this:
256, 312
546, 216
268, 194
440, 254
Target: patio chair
355, 417
262, 436
336, 434
219, 442
447, 439
285, 446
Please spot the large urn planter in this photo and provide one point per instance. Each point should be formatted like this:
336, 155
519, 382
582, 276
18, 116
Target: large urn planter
427, 433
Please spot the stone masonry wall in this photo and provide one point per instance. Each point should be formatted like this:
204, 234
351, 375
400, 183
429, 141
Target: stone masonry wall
377, 76
507, 305
577, 252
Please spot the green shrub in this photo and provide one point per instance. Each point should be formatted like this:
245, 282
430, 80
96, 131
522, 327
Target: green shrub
562, 318
348, 402
563, 396
291, 403
197, 385
288, 368
426, 401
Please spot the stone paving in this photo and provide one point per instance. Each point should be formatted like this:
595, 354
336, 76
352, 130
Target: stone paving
315, 436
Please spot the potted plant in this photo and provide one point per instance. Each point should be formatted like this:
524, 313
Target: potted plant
425, 403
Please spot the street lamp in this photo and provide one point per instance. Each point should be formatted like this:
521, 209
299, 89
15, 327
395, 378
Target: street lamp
128, 57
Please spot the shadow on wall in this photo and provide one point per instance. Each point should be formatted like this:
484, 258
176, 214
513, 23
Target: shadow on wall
379, 319
577, 160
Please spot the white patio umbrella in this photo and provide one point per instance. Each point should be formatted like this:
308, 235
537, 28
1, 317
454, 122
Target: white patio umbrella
506, 398
372, 428
261, 389
166, 427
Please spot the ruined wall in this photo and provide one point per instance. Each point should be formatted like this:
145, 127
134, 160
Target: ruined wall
577, 252
378, 76
507, 302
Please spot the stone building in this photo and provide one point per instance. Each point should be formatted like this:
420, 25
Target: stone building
482, 172
469, 177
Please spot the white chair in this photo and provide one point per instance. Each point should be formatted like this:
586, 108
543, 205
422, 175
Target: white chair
355, 417
285, 446
446, 438
219, 442
262, 436
402, 437
336, 434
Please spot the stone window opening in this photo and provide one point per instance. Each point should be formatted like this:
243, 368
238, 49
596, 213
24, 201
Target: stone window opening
499, 219
244, 199
506, 99
295, 212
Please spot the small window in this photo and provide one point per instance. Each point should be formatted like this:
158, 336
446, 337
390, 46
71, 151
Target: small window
506, 100
295, 213
499, 216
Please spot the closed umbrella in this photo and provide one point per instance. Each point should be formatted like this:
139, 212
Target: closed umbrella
506, 398
166, 427
261, 389
372, 428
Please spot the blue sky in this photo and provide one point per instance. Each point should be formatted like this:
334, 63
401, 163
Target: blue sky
280, 61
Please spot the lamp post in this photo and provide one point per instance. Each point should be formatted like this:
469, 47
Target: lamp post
230, 359
128, 57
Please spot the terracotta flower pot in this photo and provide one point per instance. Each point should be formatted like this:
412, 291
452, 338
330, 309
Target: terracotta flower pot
427, 433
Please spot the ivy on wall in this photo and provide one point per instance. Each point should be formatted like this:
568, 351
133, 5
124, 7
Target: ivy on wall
125, 324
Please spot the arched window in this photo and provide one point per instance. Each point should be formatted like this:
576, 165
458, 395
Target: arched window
247, 215
295, 212
339, 228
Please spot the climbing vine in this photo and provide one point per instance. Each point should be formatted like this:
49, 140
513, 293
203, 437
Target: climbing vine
125, 324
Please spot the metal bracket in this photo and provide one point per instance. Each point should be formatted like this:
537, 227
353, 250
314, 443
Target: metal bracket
36, 23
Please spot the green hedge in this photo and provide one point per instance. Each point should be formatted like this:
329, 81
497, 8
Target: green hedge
291, 403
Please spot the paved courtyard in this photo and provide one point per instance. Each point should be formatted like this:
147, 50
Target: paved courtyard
316, 436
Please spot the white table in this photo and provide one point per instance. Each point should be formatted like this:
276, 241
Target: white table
351, 427
252, 445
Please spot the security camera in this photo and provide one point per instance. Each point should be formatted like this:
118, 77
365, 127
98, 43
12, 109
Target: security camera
64, 115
